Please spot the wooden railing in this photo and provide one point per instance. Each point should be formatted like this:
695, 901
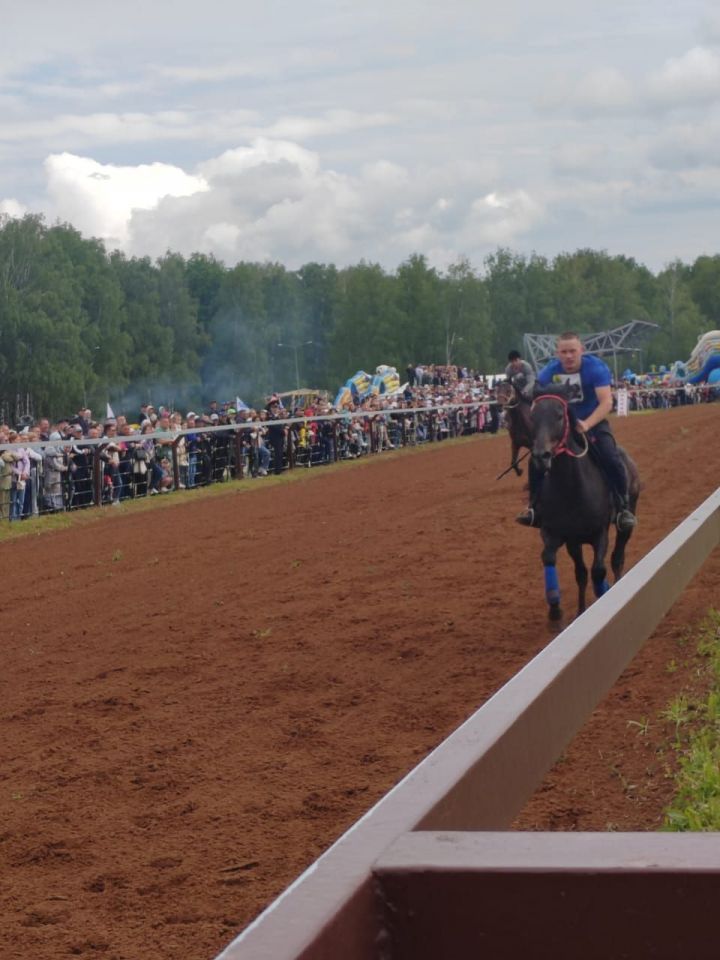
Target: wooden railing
432, 870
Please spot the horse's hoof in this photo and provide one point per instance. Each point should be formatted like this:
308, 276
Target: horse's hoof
554, 612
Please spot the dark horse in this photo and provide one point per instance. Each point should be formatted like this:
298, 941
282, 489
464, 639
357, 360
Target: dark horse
576, 505
517, 415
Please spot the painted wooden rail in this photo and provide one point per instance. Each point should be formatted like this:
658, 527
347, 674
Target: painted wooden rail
432, 870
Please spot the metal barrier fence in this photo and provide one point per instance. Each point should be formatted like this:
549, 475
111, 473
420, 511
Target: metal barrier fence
69, 475
432, 871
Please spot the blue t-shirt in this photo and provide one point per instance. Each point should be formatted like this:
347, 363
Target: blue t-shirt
593, 373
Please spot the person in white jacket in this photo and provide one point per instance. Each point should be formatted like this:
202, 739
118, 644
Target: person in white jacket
54, 466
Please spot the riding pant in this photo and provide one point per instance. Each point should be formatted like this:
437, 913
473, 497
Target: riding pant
605, 450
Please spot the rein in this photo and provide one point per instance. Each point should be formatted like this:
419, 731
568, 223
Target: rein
562, 446
508, 405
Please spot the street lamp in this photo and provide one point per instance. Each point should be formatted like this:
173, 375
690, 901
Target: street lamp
296, 347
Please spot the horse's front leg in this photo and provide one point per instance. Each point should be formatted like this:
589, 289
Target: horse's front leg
552, 584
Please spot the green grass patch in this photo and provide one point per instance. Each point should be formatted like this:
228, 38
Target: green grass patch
37, 526
696, 722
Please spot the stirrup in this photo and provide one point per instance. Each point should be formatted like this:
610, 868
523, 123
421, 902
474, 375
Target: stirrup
528, 518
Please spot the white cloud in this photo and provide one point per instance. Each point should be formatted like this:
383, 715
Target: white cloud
710, 27
332, 122
693, 77
690, 80
503, 218
99, 199
277, 200
604, 89
250, 67
339, 130
12, 208
98, 128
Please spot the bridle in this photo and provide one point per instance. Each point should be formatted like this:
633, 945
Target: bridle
562, 446
508, 404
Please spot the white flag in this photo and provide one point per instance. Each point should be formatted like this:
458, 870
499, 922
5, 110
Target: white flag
622, 402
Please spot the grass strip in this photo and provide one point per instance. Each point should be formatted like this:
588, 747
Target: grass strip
49, 523
696, 805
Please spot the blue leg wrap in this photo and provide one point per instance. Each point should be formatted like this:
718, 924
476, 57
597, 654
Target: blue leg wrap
552, 586
601, 588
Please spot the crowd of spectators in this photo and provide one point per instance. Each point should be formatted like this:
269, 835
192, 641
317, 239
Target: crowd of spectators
655, 396
80, 461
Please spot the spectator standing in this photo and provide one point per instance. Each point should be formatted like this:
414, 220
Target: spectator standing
54, 470
276, 435
20, 477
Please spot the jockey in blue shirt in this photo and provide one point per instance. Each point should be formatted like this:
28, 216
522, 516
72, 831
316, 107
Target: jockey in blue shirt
591, 404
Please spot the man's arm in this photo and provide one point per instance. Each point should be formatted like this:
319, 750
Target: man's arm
545, 376
529, 380
605, 403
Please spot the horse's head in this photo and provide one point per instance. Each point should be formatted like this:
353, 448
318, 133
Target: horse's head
505, 393
550, 419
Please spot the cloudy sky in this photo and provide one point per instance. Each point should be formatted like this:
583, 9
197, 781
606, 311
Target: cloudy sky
336, 130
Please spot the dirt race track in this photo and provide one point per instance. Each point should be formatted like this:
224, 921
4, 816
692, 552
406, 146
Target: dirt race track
197, 700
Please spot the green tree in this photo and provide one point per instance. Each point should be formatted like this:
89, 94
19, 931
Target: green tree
204, 276
151, 341
178, 313
107, 345
238, 360
468, 336
507, 300
318, 315
369, 323
45, 361
680, 319
704, 278
421, 333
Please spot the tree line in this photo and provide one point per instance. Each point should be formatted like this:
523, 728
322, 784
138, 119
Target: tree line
81, 325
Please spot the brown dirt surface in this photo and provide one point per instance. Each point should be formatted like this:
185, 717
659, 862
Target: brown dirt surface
197, 700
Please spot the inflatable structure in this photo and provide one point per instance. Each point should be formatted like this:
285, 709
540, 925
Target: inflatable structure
361, 385
704, 363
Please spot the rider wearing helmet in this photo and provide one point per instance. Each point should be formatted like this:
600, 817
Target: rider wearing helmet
520, 374
591, 404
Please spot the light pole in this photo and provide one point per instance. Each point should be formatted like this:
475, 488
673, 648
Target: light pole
295, 347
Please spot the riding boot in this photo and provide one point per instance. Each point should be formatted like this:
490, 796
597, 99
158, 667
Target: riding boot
625, 519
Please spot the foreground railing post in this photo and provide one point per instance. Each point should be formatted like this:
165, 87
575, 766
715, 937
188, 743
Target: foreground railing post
291, 450
175, 463
97, 477
239, 465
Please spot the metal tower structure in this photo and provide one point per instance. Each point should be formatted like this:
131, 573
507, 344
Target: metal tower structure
539, 348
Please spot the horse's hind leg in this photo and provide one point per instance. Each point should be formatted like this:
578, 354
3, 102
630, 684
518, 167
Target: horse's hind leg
617, 557
598, 571
581, 575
